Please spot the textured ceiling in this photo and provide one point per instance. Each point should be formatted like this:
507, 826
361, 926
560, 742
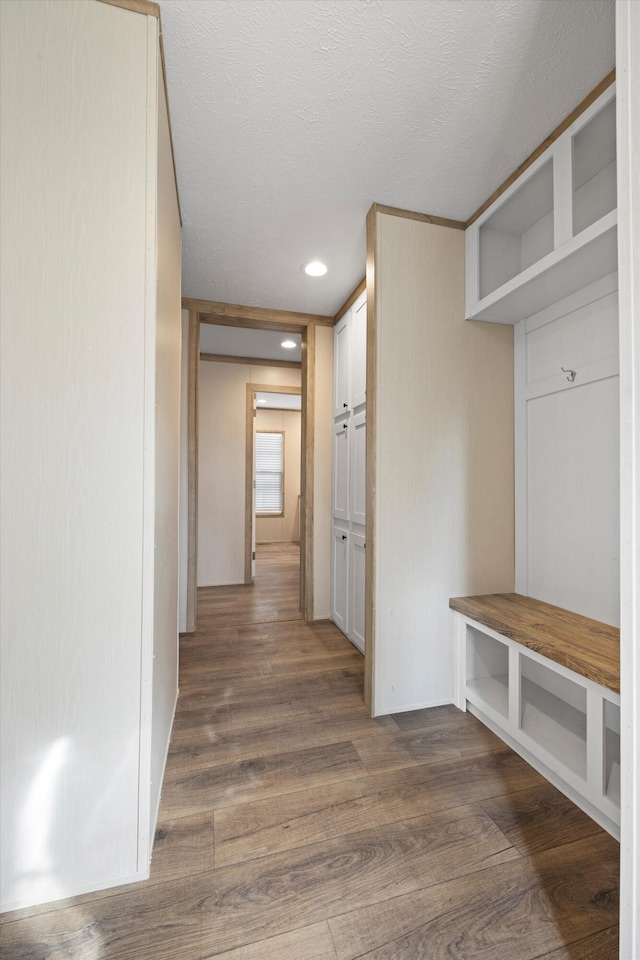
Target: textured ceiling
238, 342
291, 117
279, 401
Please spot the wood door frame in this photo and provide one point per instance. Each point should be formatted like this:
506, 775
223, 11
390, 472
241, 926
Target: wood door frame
249, 519
258, 318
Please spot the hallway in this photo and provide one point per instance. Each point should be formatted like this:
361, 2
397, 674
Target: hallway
274, 594
294, 827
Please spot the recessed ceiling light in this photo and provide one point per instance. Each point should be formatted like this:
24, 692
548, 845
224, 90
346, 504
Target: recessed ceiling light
262, 401
314, 268
289, 344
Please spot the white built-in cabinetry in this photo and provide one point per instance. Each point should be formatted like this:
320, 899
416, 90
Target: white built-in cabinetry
348, 488
553, 231
543, 256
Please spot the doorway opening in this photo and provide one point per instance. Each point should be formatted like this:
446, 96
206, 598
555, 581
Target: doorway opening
202, 314
273, 515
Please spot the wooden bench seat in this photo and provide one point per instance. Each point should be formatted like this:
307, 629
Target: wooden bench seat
587, 647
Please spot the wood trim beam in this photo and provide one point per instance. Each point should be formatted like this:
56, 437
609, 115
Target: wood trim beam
137, 6
274, 388
422, 217
559, 130
248, 485
362, 286
166, 96
250, 361
307, 468
280, 410
192, 470
275, 325
256, 315
370, 529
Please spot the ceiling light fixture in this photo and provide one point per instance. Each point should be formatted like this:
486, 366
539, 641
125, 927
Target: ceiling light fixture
289, 344
262, 401
314, 268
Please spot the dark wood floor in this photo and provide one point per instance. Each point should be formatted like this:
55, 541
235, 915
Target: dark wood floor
293, 827
274, 595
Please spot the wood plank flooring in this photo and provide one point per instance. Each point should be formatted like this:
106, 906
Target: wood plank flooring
294, 827
274, 595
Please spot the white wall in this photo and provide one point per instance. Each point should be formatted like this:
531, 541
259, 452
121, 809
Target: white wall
184, 472
167, 460
73, 308
323, 432
221, 465
287, 527
628, 135
444, 459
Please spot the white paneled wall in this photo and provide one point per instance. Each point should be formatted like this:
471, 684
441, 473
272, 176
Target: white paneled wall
444, 459
167, 460
628, 137
80, 448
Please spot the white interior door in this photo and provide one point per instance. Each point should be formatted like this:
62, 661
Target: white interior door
340, 578
341, 469
356, 590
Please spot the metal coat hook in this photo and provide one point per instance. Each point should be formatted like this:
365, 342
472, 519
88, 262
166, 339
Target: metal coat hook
572, 374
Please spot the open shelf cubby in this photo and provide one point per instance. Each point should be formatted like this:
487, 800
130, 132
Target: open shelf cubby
594, 169
553, 713
554, 229
519, 233
488, 671
611, 785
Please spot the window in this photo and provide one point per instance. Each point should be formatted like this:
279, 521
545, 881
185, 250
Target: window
270, 473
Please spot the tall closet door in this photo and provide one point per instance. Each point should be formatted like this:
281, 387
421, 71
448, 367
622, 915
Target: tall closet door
339, 577
341, 469
356, 590
359, 352
341, 365
357, 468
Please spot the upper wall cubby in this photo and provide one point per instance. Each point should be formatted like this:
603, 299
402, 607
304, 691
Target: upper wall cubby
554, 229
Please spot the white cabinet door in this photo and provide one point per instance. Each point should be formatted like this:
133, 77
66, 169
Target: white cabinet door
356, 590
339, 577
357, 468
341, 364
358, 325
341, 469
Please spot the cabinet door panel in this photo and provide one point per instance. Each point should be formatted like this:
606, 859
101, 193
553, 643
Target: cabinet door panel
357, 468
578, 340
356, 591
341, 469
359, 352
339, 577
573, 499
341, 364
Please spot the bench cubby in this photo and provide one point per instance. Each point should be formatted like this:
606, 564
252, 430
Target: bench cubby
546, 681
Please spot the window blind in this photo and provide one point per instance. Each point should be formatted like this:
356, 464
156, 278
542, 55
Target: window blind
269, 472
